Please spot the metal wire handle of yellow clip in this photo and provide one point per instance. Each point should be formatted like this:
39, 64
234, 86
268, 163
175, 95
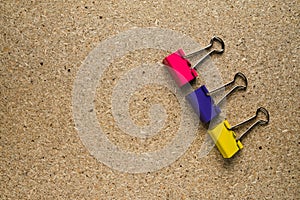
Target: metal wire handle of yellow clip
259, 122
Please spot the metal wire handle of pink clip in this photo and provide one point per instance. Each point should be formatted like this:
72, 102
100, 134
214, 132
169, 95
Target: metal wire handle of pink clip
214, 51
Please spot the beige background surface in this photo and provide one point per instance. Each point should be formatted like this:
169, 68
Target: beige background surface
42, 48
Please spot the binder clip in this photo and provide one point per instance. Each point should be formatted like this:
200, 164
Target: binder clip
179, 66
203, 104
225, 138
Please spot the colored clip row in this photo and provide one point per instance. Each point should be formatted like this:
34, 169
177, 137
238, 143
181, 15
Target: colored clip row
202, 102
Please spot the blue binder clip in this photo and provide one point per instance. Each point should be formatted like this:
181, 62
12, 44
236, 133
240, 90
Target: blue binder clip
203, 104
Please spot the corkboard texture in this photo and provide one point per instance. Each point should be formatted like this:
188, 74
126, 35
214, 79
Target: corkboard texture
43, 46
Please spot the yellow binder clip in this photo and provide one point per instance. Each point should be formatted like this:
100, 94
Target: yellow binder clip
225, 138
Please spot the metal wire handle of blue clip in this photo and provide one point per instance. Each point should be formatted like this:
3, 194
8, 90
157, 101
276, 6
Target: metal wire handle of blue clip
238, 87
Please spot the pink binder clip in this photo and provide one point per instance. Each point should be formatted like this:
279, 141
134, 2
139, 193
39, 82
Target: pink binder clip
180, 68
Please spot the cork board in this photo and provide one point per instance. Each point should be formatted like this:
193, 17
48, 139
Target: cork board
43, 46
